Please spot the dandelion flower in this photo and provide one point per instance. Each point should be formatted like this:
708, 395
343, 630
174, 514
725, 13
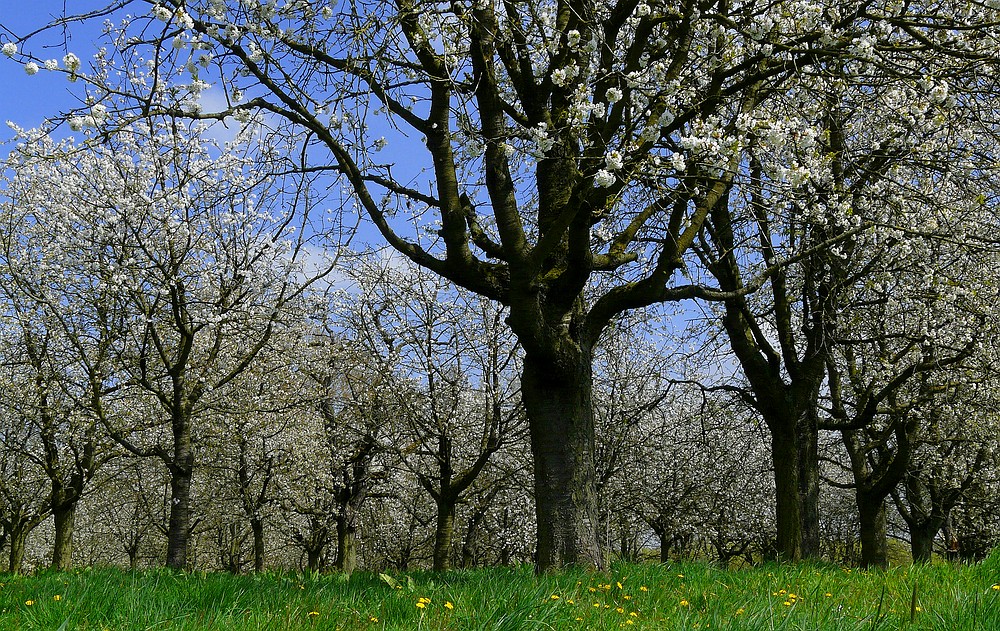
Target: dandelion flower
448, 605
421, 605
554, 597
684, 603
788, 603
57, 597
29, 602
313, 614
996, 587
643, 589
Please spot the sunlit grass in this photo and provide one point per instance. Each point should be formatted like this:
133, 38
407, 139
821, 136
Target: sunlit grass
650, 596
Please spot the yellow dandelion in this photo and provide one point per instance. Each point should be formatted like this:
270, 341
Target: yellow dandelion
592, 589
372, 619
680, 576
684, 603
619, 584
597, 604
448, 605
996, 587
643, 589
627, 597
788, 603
782, 592
630, 622
421, 605
57, 597
620, 610
570, 601
578, 619
29, 602
554, 597
919, 608
740, 611
828, 595
634, 614
313, 614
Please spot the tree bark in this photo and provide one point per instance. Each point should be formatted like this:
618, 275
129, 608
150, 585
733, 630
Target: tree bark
922, 541
561, 421
785, 458
664, 538
443, 532
874, 549
65, 522
347, 549
179, 525
808, 462
257, 528
18, 536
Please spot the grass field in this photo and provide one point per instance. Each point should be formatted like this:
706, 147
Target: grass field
651, 596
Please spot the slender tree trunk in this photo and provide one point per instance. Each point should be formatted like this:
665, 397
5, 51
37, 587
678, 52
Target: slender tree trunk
314, 558
347, 550
874, 549
257, 529
65, 522
785, 456
179, 525
443, 532
561, 421
18, 538
664, 537
181, 468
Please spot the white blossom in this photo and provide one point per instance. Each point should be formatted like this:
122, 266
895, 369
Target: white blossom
31, 68
161, 13
72, 62
613, 95
613, 160
604, 179
10, 49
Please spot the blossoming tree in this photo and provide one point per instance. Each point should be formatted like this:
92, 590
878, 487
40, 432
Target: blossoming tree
201, 252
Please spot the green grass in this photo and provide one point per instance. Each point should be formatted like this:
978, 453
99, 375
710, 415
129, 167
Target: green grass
814, 597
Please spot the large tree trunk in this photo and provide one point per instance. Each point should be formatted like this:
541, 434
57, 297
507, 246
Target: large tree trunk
922, 540
347, 549
561, 421
785, 458
62, 550
443, 532
808, 461
874, 549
